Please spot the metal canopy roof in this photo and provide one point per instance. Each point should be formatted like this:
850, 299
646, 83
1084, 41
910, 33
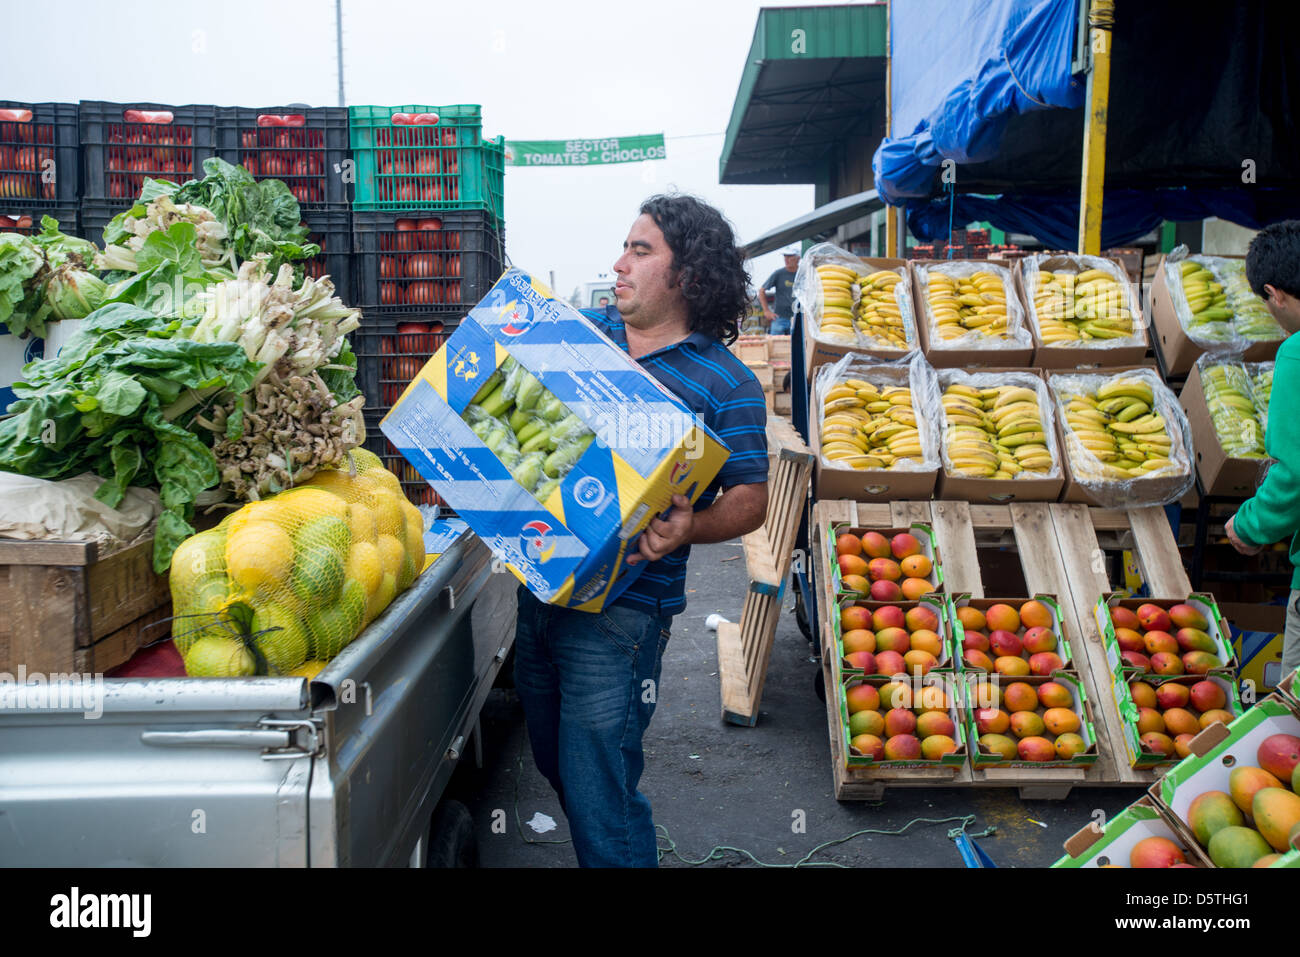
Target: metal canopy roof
811, 225
813, 75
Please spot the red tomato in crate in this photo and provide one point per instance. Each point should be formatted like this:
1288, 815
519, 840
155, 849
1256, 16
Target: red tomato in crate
248, 139
414, 338
386, 345
250, 163
420, 293
25, 159
426, 164
301, 167
406, 193
431, 193
388, 294
422, 266
387, 266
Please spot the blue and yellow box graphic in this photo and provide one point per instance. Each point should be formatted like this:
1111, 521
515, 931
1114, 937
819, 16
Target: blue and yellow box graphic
571, 547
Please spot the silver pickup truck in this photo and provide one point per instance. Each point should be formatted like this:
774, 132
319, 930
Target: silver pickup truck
343, 770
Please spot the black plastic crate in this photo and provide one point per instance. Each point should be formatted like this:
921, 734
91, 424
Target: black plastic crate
95, 215
391, 351
28, 221
305, 147
418, 491
39, 154
331, 229
122, 143
424, 263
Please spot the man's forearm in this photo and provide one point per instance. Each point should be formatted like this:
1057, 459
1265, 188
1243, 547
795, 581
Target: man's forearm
740, 510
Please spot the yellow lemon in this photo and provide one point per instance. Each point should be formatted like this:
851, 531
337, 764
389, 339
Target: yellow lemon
392, 554
364, 565
388, 514
259, 556
361, 519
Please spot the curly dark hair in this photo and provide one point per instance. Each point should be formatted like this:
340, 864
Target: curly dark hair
712, 269
1273, 258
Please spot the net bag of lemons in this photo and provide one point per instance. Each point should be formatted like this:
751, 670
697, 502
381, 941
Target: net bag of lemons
284, 584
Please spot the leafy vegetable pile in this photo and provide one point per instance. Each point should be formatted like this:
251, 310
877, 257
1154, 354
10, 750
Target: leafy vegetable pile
191, 368
46, 276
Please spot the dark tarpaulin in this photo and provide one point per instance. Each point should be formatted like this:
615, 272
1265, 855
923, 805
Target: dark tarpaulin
1126, 216
1201, 95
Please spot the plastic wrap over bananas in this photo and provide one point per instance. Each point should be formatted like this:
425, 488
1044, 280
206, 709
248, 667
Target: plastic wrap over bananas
970, 305
999, 425
879, 414
1127, 438
1081, 302
847, 300
1215, 304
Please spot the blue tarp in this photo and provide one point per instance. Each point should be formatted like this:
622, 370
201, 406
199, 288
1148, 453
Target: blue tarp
961, 70
1127, 214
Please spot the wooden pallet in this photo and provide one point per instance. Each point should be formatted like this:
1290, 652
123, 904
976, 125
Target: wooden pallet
745, 648
1062, 552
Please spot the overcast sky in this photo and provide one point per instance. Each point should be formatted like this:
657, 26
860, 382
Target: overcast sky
551, 70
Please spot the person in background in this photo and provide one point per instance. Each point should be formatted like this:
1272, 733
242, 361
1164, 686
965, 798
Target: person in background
1273, 269
589, 682
781, 311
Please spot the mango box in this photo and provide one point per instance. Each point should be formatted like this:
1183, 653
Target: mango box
952, 691
1216, 751
571, 550
1201, 601
1113, 843
934, 602
1140, 757
923, 533
983, 605
1079, 704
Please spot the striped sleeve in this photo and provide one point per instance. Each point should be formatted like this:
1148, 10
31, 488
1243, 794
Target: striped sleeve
740, 421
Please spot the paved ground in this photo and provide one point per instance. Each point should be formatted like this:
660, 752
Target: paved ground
716, 785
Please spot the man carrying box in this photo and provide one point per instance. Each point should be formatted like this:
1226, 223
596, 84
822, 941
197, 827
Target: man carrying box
1273, 269
589, 682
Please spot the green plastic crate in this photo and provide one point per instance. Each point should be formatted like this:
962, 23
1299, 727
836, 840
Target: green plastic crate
406, 161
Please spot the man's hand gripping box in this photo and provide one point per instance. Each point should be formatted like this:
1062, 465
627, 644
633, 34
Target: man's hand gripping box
550, 442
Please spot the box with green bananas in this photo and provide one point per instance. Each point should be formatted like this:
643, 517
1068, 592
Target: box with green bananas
1083, 312
1127, 441
999, 438
876, 431
969, 313
850, 304
1204, 303
550, 442
1223, 410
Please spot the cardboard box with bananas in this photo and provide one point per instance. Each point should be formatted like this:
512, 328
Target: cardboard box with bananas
851, 304
876, 429
1127, 441
1226, 412
1083, 312
1204, 303
554, 446
998, 438
969, 313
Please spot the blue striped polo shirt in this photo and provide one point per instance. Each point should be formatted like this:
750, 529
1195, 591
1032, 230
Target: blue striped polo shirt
728, 399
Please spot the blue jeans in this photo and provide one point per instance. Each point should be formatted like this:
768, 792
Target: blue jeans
589, 684
780, 327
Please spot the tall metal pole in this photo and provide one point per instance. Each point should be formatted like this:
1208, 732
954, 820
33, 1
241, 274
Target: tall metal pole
338, 35
1101, 18
892, 244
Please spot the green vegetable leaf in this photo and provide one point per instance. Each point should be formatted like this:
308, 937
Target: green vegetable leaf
175, 246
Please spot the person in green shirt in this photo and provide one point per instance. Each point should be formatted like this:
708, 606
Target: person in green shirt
1273, 270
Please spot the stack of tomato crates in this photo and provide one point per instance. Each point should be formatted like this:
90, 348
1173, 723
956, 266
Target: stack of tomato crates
307, 149
123, 144
427, 240
39, 166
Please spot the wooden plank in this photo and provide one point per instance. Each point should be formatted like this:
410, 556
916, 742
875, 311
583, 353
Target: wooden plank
990, 516
1040, 559
731, 669
48, 609
903, 514
118, 647
48, 553
873, 515
1086, 577
1157, 553
122, 587
1109, 519
761, 562
955, 539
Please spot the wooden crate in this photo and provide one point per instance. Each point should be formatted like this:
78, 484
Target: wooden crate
1062, 552
67, 610
745, 647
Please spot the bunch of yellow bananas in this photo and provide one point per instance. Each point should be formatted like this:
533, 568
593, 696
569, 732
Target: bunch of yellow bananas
1211, 317
867, 427
1090, 305
995, 433
961, 305
837, 300
1119, 426
879, 316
